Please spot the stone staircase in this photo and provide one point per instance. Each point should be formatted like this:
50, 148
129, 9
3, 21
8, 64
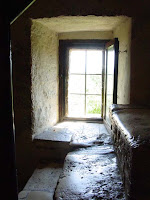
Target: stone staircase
89, 170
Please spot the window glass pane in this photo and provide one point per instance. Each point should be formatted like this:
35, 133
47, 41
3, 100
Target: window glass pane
94, 62
93, 84
110, 84
76, 84
76, 105
110, 61
93, 104
77, 61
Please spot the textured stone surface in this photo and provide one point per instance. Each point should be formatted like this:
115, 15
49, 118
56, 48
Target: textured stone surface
134, 124
63, 24
23, 195
54, 143
44, 76
102, 35
130, 127
90, 173
75, 133
42, 183
35, 195
88, 134
55, 133
65, 136
123, 33
44, 178
116, 107
39, 195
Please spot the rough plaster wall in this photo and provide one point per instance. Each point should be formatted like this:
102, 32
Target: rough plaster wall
62, 24
44, 55
86, 35
123, 33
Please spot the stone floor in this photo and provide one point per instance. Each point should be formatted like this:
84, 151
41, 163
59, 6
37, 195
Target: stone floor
90, 169
90, 174
42, 184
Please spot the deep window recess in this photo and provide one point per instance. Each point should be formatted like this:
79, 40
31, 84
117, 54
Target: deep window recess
111, 76
81, 79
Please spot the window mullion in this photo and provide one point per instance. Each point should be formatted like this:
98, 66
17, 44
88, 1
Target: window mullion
103, 82
85, 78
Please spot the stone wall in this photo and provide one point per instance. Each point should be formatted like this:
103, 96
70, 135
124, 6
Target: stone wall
44, 71
123, 33
87, 35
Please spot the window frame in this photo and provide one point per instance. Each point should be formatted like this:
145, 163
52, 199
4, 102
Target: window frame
64, 46
114, 42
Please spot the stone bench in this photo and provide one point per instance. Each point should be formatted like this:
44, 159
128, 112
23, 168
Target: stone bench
130, 127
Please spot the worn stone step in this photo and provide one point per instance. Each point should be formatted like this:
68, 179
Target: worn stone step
53, 143
90, 174
42, 183
94, 150
60, 139
89, 134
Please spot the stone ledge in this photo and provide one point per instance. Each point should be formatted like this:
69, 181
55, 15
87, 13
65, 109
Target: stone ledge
133, 123
53, 143
130, 130
54, 137
55, 134
42, 183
